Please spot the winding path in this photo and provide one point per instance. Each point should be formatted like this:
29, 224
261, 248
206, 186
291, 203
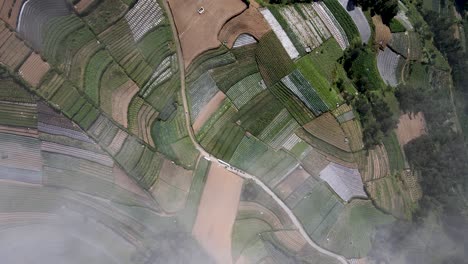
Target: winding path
234, 170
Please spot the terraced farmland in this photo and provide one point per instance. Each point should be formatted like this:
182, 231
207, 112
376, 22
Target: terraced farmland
310, 30
34, 18
323, 87
347, 22
200, 93
246, 89
272, 68
143, 17
297, 84
387, 63
116, 151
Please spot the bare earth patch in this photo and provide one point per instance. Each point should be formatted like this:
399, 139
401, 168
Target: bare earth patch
217, 212
250, 21
199, 32
410, 127
83, 5
208, 110
121, 98
172, 186
124, 181
13, 51
9, 11
326, 128
176, 175
34, 69
383, 35
28, 132
292, 181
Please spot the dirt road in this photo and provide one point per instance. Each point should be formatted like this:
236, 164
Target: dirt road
227, 166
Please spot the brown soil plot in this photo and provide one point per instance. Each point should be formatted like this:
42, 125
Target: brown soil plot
10, 10
250, 21
198, 23
326, 128
217, 213
121, 98
83, 5
383, 35
410, 127
34, 69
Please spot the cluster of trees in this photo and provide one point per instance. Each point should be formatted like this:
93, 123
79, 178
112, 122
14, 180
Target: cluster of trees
387, 9
376, 117
442, 31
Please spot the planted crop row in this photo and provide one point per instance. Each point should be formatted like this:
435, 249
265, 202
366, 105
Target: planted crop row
209, 60
279, 130
296, 107
258, 112
305, 92
63, 38
246, 89
273, 61
343, 18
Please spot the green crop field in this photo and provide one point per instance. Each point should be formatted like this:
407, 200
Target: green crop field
171, 139
300, 86
396, 26
255, 157
63, 37
13, 92
244, 90
353, 231
314, 208
228, 75
147, 169
273, 61
93, 73
209, 60
105, 14
296, 107
417, 74
344, 19
284, 24
18, 115
245, 232
157, 45
394, 152
189, 214
258, 112
324, 88
130, 153
220, 129
327, 55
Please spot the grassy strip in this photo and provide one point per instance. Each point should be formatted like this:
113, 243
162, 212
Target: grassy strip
324, 88
395, 156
